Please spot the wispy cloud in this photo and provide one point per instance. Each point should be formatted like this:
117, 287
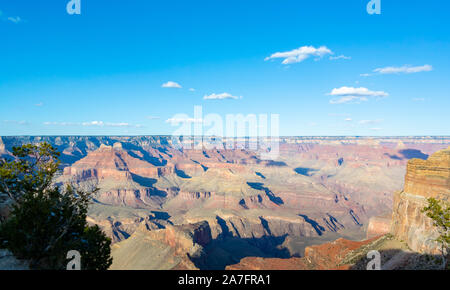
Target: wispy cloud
108, 124
353, 95
93, 124
171, 84
403, 69
340, 57
153, 117
176, 121
418, 99
300, 54
369, 122
61, 124
192, 90
16, 19
406, 69
222, 96
39, 104
13, 122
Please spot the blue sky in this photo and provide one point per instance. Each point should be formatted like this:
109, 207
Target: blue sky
339, 71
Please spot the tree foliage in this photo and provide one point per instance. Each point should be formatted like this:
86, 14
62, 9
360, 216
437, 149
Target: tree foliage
439, 212
47, 221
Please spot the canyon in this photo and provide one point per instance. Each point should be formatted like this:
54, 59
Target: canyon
171, 208
406, 239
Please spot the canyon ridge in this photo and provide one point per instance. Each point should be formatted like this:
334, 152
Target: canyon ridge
317, 206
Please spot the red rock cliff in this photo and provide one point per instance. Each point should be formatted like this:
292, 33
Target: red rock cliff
424, 179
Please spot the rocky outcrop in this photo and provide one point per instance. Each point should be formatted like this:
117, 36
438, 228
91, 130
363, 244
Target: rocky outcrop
379, 225
2, 147
111, 162
175, 247
9, 262
188, 238
343, 254
321, 257
131, 197
5, 207
424, 179
429, 178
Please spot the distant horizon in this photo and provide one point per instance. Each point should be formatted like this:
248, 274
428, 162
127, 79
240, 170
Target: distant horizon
287, 136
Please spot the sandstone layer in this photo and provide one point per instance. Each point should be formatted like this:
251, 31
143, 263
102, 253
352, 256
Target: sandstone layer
379, 225
424, 179
321, 257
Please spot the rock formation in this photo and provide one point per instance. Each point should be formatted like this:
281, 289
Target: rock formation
2, 147
156, 200
175, 247
9, 262
379, 225
424, 179
321, 257
111, 163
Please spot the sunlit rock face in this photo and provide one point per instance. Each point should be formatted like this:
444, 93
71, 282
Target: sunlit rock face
317, 190
379, 225
2, 147
424, 179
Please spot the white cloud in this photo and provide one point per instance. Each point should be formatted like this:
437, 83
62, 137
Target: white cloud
300, 54
22, 123
192, 90
171, 84
183, 120
403, 69
361, 91
108, 124
340, 57
60, 124
93, 124
153, 118
365, 122
16, 19
406, 69
376, 129
222, 96
348, 119
354, 95
348, 99
418, 99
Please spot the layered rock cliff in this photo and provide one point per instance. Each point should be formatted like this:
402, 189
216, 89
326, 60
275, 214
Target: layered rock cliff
320, 257
172, 248
379, 225
111, 162
424, 179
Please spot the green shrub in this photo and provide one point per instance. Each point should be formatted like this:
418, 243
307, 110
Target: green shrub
439, 212
48, 221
